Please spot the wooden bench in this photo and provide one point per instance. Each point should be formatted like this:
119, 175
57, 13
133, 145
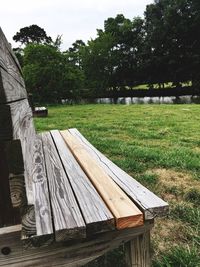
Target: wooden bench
63, 203
37, 111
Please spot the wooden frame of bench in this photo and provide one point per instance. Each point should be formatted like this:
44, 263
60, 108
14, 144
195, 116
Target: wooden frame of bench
64, 202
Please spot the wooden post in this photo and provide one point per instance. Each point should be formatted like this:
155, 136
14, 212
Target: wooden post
137, 251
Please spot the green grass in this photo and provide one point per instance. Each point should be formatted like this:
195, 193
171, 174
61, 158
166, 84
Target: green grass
153, 135
158, 145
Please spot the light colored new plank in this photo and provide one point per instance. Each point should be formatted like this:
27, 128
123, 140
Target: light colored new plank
67, 218
151, 204
97, 216
123, 209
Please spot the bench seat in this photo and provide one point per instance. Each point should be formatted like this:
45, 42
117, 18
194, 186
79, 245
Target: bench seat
82, 191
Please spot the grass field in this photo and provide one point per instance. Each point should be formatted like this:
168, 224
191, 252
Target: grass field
159, 145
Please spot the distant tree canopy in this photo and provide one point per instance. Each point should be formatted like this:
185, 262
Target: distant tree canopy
32, 34
162, 47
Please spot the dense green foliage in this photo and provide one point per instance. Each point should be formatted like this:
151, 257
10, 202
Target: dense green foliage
32, 34
159, 146
163, 47
48, 75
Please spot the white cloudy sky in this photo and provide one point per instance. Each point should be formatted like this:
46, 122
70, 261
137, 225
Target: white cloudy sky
73, 19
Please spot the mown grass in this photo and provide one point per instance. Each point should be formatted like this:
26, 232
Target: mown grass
158, 145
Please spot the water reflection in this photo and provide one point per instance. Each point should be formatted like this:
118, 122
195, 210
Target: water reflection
150, 100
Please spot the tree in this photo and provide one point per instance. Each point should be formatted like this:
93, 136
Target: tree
172, 40
32, 34
75, 53
49, 76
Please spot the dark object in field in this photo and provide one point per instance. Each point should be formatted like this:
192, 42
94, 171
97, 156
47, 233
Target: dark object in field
40, 112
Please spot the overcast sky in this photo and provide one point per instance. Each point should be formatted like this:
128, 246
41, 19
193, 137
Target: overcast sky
73, 19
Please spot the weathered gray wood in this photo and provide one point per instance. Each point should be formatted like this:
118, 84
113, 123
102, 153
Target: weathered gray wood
67, 218
9, 48
17, 124
151, 204
41, 192
14, 160
8, 60
97, 216
28, 222
17, 190
61, 254
29, 231
138, 251
10, 89
20, 123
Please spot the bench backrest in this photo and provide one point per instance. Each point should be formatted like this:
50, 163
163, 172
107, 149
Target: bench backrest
17, 132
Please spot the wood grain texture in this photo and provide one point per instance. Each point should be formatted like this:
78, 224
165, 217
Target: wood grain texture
138, 251
8, 60
9, 48
97, 216
28, 222
17, 190
67, 218
124, 210
151, 204
17, 124
10, 89
62, 254
23, 130
29, 231
14, 160
41, 192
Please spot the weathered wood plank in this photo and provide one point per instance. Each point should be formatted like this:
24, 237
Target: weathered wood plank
14, 160
29, 231
16, 123
20, 124
28, 222
9, 48
10, 89
61, 254
8, 60
138, 251
151, 204
67, 218
41, 192
97, 216
124, 210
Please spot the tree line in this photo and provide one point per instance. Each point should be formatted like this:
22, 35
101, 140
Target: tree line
162, 47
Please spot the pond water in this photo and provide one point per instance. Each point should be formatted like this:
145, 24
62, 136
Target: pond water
150, 100
188, 99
